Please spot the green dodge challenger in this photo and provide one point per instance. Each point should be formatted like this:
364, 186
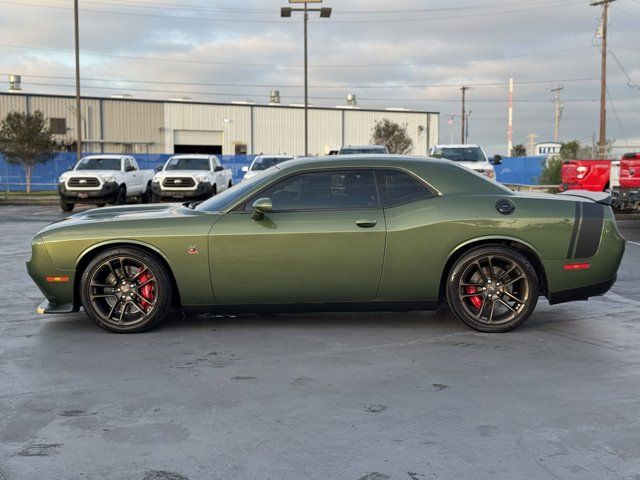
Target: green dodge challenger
339, 233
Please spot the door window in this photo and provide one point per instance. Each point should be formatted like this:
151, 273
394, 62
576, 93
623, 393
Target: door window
328, 190
398, 187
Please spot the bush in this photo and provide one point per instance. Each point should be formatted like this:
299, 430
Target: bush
552, 173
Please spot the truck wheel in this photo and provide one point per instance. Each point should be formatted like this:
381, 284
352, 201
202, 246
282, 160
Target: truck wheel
230, 184
66, 206
146, 196
155, 198
121, 196
214, 192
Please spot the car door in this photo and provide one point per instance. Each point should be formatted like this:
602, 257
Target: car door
323, 242
134, 177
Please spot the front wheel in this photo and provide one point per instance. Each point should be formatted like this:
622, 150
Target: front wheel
493, 289
66, 206
121, 196
125, 290
146, 196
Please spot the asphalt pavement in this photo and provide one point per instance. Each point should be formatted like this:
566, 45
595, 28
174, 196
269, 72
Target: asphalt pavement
362, 396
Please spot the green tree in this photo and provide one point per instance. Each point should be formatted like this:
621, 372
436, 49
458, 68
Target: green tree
26, 140
552, 173
393, 136
569, 150
519, 150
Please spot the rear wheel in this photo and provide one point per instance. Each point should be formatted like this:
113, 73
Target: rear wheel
493, 288
125, 290
121, 196
146, 196
66, 206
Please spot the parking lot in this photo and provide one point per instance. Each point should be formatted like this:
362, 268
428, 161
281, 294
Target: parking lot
318, 396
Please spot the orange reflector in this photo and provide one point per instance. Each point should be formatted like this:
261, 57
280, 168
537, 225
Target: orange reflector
57, 279
577, 266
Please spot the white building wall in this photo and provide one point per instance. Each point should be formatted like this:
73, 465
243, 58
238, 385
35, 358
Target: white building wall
233, 121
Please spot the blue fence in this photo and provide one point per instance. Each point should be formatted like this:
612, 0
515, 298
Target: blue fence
45, 176
522, 170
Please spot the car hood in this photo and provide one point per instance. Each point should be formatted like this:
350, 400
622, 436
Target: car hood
181, 173
476, 165
134, 213
90, 173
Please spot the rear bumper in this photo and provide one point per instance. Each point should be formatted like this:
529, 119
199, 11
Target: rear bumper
581, 293
629, 197
106, 194
202, 191
46, 307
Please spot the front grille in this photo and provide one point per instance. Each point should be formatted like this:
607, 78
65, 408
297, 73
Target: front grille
83, 182
178, 182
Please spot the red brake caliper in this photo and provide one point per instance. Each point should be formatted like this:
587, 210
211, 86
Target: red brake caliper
477, 300
146, 291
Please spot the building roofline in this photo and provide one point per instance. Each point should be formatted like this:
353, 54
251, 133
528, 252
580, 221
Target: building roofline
220, 104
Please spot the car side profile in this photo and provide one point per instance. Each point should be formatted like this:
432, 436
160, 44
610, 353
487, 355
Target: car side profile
350, 233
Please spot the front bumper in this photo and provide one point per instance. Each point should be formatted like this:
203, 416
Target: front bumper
107, 194
202, 191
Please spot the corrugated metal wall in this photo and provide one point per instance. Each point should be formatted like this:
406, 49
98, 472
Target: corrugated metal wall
136, 126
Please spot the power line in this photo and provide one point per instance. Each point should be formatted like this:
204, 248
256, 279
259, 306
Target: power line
277, 85
281, 65
246, 20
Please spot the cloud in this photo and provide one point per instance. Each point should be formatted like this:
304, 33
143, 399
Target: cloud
209, 51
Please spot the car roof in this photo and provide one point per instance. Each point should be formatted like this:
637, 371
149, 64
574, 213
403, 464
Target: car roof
362, 147
106, 155
274, 156
192, 155
457, 145
361, 160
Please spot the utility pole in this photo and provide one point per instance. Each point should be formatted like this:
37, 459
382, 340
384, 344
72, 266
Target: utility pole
559, 107
76, 28
464, 115
603, 79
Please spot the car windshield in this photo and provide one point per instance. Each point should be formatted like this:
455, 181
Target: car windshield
461, 154
228, 197
99, 164
188, 163
357, 150
262, 163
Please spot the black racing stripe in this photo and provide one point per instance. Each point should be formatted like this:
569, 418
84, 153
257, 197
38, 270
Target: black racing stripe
574, 233
590, 230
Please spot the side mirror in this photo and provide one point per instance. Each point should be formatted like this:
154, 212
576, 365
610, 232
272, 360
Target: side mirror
497, 159
218, 168
245, 169
159, 168
260, 207
129, 168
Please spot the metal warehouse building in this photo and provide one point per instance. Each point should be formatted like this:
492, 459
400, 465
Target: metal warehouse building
116, 125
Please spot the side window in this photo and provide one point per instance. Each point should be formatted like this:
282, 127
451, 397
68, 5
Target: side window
398, 187
329, 190
133, 163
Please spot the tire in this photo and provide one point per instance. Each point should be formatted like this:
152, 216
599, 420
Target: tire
66, 206
506, 284
146, 196
100, 205
121, 196
230, 184
117, 307
214, 192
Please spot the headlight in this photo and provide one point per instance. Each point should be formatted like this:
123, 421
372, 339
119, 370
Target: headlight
107, 178
155, 180
63, 178
201, 178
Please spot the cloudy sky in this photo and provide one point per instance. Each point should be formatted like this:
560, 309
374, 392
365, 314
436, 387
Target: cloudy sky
390, 53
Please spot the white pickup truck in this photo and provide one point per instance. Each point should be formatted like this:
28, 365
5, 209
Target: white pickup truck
191, 177
102, 179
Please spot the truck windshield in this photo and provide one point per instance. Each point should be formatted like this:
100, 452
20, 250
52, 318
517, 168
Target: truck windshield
461, 154
230, 196
99, 164
262, 163
188, 163
357, 150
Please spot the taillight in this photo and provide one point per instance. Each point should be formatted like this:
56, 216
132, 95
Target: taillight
582, 171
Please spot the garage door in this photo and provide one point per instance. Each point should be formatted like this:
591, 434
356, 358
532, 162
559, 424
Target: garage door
197, 141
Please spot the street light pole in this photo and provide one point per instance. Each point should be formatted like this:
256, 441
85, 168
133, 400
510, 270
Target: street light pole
306, 84
285, 12
76, 28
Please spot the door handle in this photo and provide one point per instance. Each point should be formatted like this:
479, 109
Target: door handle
366, 223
